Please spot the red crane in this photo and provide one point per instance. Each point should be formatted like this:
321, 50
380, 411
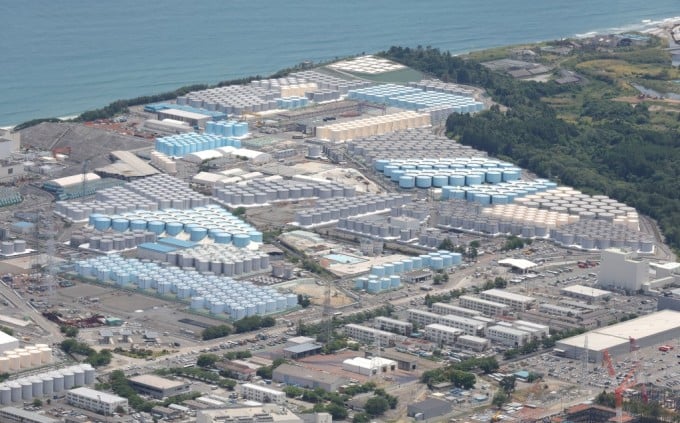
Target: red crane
607, 360
627, 383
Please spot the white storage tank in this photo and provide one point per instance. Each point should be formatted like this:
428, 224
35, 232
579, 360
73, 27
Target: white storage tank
15, 388
5, 395
4, 365
69, 379
26, 389
48, 385
37, 387
57, 381
78, 376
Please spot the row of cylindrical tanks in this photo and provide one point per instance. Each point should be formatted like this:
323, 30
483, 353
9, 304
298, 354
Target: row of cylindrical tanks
25, 358
260, 191
180, 145
414, 98
599, 234
220, 259
439, 260
376, 229
110, 241
16, 246
46, 384
374, 125
443, 87
212, 222
149, 194
9, 196
342, 208
203, 291
413, 143
374, 284
232, 99
226, 128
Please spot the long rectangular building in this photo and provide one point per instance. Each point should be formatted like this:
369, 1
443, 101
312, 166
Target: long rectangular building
371, 335
97, 401
490, 308
655, 328
393, 325
261, 394
307, 378
422, 317
508, 336
515, 301
441, 334
474, 343
443, 308
468, 326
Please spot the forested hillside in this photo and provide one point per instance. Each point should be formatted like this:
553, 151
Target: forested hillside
599, 145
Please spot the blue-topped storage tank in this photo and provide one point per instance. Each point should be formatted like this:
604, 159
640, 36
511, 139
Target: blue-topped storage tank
156, 226
373, 286
198, 234
457, 180
407, 265
510, 175
380, 164
255, 236
102, 223
137, 225
241, 240
388, 269
474, 179
396, 174
437, 263
423, 181
384, 284
395, 281
398, 267
388, 169
222, 237
457, 258
378, 271
417, 263
407, 182
440, 180
120, 224
493, 177
173, 228
499, 199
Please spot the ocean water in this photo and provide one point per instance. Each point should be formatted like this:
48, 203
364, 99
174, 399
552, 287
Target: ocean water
59, 58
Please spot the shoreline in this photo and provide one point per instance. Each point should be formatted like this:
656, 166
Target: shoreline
660, 28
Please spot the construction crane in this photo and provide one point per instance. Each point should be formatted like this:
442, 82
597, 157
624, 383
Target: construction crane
607, 361
83, 187
627, 383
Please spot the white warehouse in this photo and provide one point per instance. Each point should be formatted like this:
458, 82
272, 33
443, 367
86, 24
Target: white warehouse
468, 326
369, 366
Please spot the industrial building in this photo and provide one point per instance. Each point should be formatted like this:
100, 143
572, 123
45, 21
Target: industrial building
158, 387
10, 142
263, 414
556, 310
517, 302
623, 270
656, 328
508, 336
370, 335
192, 118
19, 415
261, 393
8, 342
586, 293
307, 378
489, 308
302, 350
442, 334
538, 330
468, 326
431, 408
474, 343
369, 366
404, 361
97, 401
393, 325
443, 308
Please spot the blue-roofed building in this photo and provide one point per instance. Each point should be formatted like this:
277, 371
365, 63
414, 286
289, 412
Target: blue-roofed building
522, 375
176, 242
155, 251
159, 107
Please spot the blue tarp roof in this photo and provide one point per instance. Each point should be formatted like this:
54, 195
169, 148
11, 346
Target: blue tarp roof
175, 242
159, 248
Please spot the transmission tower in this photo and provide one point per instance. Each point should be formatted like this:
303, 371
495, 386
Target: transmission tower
49, 273
328, 310
83, 186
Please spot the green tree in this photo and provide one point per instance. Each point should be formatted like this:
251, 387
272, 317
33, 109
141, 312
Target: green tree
500, 398
507, 383
361, 418
37, 402
376, 405
207, 360
339, 412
